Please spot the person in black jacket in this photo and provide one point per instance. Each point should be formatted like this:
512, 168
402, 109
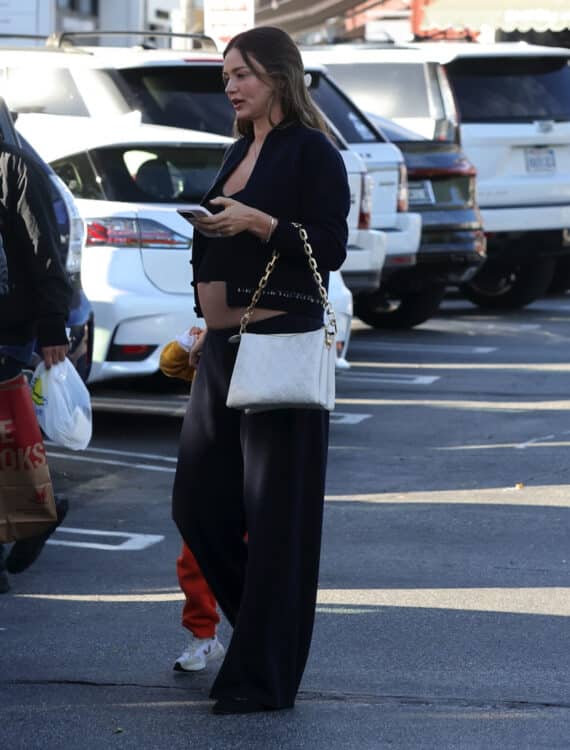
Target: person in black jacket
34, 296
263, 473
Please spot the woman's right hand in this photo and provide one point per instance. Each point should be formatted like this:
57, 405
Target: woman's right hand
196, 350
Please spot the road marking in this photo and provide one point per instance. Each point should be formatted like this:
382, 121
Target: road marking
544, 442
138, 406
131, 543
533, 441
506, 406
110, 462
408, 347
530, 495
116, 452
388, 378
561, 367
479, 325
549, 601
339, 417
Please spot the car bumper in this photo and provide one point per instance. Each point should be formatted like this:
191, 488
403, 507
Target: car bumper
403, 240
130, 311
366, 253
525, 218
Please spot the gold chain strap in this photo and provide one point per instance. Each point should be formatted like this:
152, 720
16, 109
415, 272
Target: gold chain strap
331, 327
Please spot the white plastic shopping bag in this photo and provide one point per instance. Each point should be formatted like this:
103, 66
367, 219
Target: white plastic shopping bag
63, 405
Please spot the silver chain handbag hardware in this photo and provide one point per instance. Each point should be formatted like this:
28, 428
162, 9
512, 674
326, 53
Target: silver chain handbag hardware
285, 370
331, 326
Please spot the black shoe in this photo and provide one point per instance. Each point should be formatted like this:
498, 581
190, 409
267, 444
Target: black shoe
238, 706
24, 552
4, 582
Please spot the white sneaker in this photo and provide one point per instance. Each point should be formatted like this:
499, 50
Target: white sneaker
198, 653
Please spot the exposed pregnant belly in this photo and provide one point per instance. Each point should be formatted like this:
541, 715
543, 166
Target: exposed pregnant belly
215, 308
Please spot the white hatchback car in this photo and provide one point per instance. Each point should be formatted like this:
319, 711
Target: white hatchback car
128, 180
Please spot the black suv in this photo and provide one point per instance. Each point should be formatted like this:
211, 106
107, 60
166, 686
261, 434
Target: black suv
441, 187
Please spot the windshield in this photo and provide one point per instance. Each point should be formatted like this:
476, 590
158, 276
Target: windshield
341, 111
184, 97
193, 97
391, 90
145, 173
511, 88
48, 90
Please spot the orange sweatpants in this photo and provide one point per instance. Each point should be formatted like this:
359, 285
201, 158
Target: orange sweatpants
199, 615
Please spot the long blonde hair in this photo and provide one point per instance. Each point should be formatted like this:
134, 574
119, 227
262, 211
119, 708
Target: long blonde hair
277, 53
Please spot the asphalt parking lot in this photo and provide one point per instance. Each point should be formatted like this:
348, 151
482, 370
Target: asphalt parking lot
444, 592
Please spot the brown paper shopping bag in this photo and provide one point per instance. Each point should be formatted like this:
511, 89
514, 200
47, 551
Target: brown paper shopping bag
27, 505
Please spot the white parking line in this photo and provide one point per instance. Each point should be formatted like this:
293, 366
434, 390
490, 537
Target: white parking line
409, 347
339, 417
138, 406
110, 462
131, 454
484, 326
131, 543
353, 376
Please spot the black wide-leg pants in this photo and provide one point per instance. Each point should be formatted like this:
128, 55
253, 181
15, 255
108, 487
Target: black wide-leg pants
263, 474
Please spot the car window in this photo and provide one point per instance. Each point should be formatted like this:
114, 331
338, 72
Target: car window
341, 111
78, 174
511, 88
397, 134
157, 174
45, 89
185, 97
193, 97
388, 89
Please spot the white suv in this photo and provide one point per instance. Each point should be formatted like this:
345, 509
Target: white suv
510, 104
514, 106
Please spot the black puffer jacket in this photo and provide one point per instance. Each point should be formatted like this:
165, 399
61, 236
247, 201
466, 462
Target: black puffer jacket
34, 290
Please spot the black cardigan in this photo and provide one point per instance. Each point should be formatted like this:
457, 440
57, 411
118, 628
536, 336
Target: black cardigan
299, 177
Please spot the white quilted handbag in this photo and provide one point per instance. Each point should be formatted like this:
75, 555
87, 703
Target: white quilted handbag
285, 370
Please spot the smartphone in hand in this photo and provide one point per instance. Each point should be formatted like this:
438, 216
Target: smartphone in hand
196, 212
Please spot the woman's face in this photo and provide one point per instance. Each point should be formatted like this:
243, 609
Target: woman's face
249, 95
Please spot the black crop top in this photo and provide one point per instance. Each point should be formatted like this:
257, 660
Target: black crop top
300, 177
217, 262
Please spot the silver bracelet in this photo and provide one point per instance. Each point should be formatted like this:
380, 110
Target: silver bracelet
272, 225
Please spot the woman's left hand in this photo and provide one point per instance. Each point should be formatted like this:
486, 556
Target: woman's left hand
235, 218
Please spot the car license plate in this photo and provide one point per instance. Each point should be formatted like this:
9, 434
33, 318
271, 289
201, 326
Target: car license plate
540, 159
420, 192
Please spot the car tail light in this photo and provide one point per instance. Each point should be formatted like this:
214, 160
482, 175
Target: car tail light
76, 228
480, 243
403, 198
401, 260
365, 214
129, 352
136, 233
472, 189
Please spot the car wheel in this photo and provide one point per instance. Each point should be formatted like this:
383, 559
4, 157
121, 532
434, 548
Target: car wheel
381, 311
509, 289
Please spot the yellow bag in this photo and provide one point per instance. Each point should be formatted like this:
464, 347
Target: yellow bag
174, 362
